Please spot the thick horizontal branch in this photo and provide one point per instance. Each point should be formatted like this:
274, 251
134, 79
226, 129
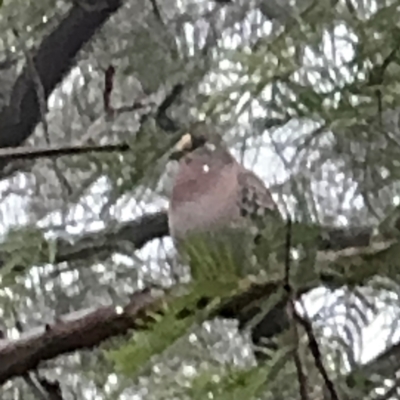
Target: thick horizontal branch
71, 334
104, 243
101, 244
88, 328
356, 262
139, 231
332, 264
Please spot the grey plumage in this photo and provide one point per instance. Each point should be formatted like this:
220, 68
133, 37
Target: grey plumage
214, 196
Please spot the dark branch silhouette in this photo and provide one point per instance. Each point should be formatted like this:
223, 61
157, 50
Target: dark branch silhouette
53, 59
20, 356
31, 153
103, 243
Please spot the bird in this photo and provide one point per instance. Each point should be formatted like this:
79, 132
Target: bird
217, 201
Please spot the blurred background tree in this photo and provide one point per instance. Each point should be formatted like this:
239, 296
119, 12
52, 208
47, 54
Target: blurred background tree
308, 97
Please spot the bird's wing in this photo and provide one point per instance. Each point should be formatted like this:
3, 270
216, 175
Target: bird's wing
262, 215
255, 200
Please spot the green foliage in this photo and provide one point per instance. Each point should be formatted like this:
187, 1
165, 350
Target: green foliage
212, 286
220, 257
177, 318
237, 384
134, 357
138, 169
21, 249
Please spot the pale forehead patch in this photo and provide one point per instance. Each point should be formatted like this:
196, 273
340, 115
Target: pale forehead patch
206, 168
185, 142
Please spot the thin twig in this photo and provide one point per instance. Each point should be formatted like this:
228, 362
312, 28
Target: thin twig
31, 153
312, 342
137, 105
315, 351
52, 388
156, 11
41, 387
301, 377
108, 87
35, 388
162, 119
170, 98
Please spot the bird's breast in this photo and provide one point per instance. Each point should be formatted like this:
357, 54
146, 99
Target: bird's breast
207, 205
202, 216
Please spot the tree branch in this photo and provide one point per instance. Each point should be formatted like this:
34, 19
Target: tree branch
52, 61
351, 265
103, 243
79, 332
32, 153
86, 329
138, 232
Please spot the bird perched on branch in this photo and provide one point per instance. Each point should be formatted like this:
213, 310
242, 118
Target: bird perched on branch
216, 198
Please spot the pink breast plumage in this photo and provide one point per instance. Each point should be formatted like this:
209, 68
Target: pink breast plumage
203, 200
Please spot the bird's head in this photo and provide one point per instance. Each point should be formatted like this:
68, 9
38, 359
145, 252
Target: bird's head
200, 139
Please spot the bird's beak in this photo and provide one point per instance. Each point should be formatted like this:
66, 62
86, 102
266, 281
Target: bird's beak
183, 146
